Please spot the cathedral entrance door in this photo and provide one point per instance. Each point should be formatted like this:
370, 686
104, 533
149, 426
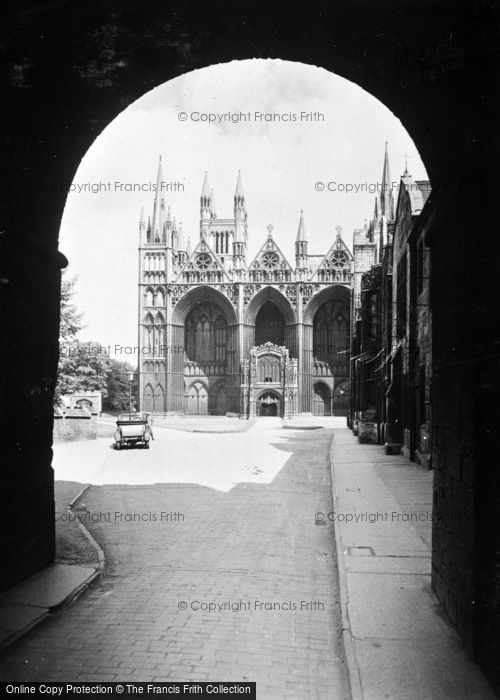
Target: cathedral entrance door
321, 400
197, 400
269, 404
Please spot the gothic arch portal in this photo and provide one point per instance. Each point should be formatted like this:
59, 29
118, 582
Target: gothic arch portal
437, 104
269, 404
205, 334
335, 292
269, 325
199, 294
269, 294
322, 399
197, 399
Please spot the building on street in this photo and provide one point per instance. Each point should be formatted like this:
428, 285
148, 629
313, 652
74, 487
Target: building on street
391, 361
220, 332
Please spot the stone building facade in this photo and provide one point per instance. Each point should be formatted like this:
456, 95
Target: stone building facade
220, 333
391, 364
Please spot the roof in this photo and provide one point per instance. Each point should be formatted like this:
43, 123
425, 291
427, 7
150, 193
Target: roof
418, 191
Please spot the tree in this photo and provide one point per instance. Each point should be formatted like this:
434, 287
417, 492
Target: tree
71, 318
119, 391
87, 366
82, 366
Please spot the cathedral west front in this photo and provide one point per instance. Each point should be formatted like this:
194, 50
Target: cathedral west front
222, 333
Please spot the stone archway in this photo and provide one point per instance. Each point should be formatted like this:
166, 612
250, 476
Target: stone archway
438, 79
269, 404
197, 399
269, 325
322, 400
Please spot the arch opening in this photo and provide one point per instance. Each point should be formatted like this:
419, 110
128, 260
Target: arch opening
269, 325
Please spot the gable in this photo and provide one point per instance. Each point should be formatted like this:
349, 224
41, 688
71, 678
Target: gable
202, 266
270, 265
337, 263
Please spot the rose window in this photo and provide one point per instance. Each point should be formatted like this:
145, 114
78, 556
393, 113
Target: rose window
203, 261
338, 260
269, 261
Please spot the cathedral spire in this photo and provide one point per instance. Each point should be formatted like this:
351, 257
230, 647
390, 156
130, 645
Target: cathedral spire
301, 245
406, 173
239, 186
181, 241
175, 235
386, 196
205, 207
302, 233
212, 205
189, 249
205, 190
158, 202
239, 197
240, 211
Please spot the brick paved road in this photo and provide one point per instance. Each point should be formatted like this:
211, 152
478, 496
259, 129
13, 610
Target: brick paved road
248, 501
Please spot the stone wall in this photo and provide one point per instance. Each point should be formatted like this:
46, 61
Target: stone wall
465, 415
75, 425
431, 65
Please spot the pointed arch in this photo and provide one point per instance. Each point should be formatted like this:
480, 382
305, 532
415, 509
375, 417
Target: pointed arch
148, 400
322, 399
199, 294
197, 399
159, 297
335, 292
220, 331
269, 294
148, 332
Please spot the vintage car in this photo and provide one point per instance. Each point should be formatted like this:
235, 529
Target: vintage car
132, 429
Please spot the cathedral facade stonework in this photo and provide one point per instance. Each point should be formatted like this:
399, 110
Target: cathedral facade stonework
220, 333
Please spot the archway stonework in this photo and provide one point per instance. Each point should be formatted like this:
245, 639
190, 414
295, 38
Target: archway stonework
439, 89
179, 369
312, 367
269, 404
269, 371
322, 399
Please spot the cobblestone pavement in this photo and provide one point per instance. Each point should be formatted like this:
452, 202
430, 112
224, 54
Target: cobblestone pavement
226, 519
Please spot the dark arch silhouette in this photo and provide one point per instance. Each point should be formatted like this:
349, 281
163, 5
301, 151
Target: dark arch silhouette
203, 293
431, 65
269, 294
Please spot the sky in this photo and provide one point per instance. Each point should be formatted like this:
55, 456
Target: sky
287, 126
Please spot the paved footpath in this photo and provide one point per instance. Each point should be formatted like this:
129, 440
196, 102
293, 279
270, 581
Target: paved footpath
247, 541
399, 643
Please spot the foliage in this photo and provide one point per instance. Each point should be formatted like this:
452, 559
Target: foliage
87, 366
71, 318
119, 392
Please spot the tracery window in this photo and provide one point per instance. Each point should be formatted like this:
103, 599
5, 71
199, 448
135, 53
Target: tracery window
268, 369
203, 261
269, 325
338, 260
331, 334
205, 334
269, 261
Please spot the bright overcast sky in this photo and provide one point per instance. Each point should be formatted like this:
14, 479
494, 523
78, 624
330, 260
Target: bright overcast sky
280, 163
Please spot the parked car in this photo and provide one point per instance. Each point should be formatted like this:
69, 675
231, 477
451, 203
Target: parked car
132, 429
